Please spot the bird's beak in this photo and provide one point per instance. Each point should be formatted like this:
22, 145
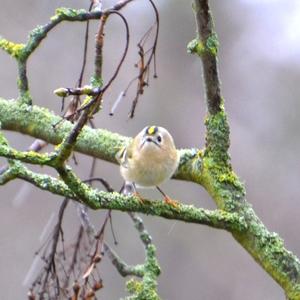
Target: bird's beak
148, 139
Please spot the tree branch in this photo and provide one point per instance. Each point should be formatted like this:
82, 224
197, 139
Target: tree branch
211, 167
123, 268
147, 288
40, 123
21, 52
115, 201
220, 181
206, 46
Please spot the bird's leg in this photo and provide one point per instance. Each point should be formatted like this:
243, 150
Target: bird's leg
129, 189
167, 199
137, 194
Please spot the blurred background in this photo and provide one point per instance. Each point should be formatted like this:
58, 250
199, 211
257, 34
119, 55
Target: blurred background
259, 68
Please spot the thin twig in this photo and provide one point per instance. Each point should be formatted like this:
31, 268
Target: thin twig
55, 239
124, 52
144, 67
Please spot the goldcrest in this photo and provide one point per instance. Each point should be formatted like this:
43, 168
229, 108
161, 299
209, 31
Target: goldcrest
150, 159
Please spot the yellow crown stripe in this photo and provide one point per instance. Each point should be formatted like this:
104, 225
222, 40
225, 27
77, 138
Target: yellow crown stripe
151, 130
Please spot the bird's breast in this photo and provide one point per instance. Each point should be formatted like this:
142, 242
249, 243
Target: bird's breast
150, 170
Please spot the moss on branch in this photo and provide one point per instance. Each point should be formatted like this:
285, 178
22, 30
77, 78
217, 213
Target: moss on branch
41, 123
121, 266
13, 49
147, 288
211, 167
96, 199
204, 167
21, 52
217, 176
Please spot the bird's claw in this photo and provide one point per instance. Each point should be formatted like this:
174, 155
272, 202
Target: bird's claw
171, 202
137, 195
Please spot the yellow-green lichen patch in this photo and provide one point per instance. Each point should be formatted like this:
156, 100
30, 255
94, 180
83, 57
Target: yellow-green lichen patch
68, 12
64, 13
196, 47
96, 81
218, 178
134, 286
222, 184
231, 178
217, 137
210, 46
147, 288
15, 50
25, 98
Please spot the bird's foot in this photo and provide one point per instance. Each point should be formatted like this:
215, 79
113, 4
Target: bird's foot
140, 198
171, 202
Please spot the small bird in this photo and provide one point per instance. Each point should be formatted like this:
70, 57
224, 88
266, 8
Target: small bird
150, 159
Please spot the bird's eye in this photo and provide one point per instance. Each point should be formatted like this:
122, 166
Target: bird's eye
159, 138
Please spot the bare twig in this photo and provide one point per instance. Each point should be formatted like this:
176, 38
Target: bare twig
51, 266
124, 52
208, 40
99, 51
145, 66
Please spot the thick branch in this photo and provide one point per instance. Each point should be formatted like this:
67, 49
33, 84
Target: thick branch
40, 123
211, 168
116, 201
74, 188
218, 178
224, 188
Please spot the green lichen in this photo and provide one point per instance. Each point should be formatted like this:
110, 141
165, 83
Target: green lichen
210, 46
269, 250
96, 81
196, 47
25, 96
37, 31
134, 286
54, 18
217, 175
70, 14
13, 49
231, 178
152, 266
147, 288
28, 156
63, 12
19, 83
217, 137
222, 184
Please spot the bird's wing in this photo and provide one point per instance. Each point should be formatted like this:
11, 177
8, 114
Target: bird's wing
124, 155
